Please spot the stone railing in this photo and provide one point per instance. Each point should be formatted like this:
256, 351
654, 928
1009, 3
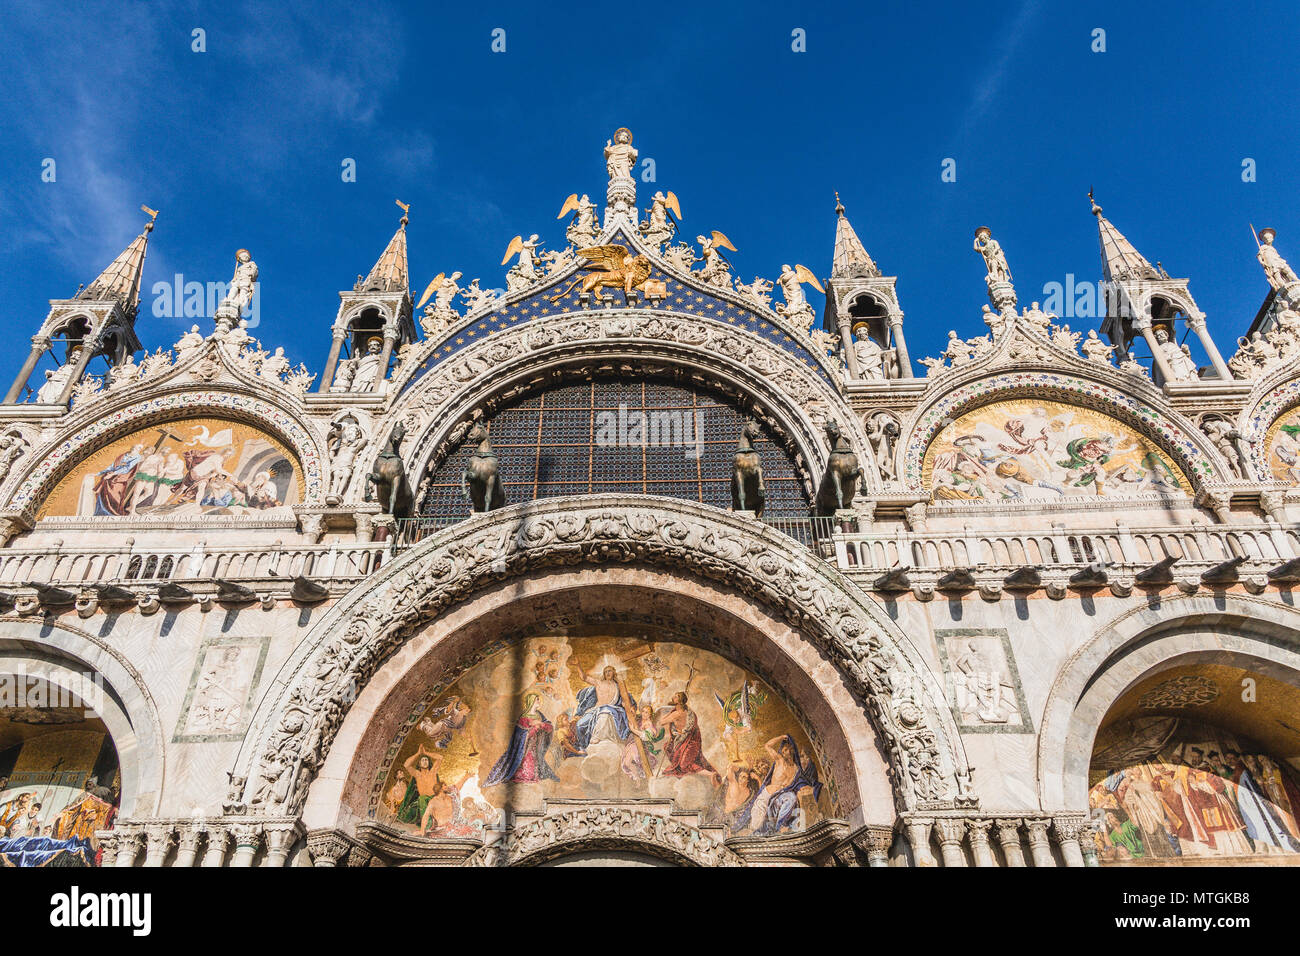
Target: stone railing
226, 841
977, 558
131, 564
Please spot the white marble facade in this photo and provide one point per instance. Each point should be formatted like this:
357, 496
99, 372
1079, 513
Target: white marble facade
1034, 532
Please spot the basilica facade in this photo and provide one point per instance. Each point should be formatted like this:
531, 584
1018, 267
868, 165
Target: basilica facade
617, 558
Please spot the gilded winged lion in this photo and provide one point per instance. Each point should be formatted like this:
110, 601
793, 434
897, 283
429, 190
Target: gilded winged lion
610, 265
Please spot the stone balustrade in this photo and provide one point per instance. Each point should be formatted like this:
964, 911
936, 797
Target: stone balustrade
1120, 553
128, 565
226, 841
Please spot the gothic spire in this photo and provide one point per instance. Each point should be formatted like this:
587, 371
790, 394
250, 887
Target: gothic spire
390, 272
1119, 259
121, 280
850, 258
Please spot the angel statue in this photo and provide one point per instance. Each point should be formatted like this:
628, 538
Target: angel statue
582, 230
796, 307
476, 298
523, 273
439, 316
995, 261
661, 227
611, 266
716, 269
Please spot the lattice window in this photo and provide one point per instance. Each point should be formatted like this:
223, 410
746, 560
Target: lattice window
618, 437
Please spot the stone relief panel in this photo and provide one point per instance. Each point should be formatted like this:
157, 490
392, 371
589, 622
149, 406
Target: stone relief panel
195, 466
1170, 788
982, 681
219, 702
600, 717
1030, 449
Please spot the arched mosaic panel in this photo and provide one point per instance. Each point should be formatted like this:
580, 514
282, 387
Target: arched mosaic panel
181, 468
1282, 448
1026, 449
1168, 789
583, 717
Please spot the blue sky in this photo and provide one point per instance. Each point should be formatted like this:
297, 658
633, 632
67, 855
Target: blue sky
242, 145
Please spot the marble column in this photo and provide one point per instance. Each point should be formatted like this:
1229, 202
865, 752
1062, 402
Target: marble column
327, 848
248, 838
279, 837
88, 346
218, 844
385, 355
39, 344
1157, 354
918, 837
1040, 847
332, 364
846, 339
979, 842
159, 841
900, 345
128, 848
1067, 837
951, 833
1197, 324
1009, 838
187, 846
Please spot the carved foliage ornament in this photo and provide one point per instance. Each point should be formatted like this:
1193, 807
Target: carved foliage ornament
614, 827
296, 735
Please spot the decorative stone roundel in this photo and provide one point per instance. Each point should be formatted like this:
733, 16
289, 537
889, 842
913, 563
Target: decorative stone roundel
295, 727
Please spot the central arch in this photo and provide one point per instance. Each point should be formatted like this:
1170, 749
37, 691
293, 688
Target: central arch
844, 638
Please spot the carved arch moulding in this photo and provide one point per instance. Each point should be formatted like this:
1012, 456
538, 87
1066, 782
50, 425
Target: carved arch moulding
433, 406
295, 725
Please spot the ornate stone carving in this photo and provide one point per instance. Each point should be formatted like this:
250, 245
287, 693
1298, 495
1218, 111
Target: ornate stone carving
557, 834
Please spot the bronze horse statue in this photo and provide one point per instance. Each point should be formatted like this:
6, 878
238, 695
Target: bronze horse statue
479, 482
748, 493
843, 476
389, 477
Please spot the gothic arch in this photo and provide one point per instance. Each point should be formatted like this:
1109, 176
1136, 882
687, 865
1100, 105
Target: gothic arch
297, 722
1230, 628
101, 423
63, 654
1148, 414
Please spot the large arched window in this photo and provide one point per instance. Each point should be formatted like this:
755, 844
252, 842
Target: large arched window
613, 436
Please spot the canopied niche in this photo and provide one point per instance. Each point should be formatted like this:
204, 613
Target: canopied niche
600, 712
1038, 449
